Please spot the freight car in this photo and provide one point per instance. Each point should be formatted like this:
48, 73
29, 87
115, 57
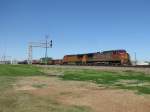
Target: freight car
112, 57
35, 62
55, 62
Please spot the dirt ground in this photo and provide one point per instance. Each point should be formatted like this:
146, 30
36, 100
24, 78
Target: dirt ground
97, 99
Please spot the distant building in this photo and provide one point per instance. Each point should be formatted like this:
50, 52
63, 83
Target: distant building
5, 62
140, 63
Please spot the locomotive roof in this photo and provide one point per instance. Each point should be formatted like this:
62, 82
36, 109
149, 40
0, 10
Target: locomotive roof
109, 51
81, 54
120, 50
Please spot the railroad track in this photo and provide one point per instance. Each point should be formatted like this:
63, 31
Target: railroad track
144, 69
137, 66
126, 66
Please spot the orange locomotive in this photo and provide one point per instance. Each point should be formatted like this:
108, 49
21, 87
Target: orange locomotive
113, 57
73, 59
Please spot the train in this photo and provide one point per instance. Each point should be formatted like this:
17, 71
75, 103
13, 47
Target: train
111, 57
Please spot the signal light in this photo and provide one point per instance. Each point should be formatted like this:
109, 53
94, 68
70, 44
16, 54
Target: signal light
51, 43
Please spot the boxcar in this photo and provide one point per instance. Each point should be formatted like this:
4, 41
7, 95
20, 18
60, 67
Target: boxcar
57, 62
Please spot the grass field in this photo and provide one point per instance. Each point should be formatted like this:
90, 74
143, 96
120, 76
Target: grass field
21, 101
19, 70
12, 100
130, 80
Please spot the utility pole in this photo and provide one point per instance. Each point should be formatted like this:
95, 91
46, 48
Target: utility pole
30, 53
135, 58
46, 51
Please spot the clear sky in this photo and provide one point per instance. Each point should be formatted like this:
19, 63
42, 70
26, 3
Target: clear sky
76, 26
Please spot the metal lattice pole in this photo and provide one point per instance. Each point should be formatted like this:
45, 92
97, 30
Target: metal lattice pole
45, 45
30, 54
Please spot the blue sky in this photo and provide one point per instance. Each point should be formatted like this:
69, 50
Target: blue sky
76, 26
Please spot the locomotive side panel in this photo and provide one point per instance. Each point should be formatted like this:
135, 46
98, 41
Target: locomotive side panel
120, 57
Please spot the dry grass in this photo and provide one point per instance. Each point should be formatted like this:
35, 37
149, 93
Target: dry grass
84, 95
23, 91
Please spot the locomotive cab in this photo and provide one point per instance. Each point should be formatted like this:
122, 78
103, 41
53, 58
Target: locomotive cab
122, 56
